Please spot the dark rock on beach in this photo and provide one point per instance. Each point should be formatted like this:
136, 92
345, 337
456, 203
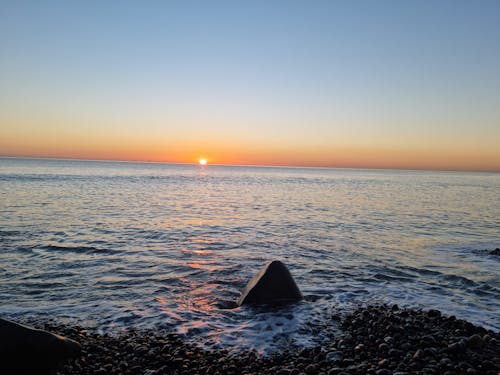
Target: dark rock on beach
376, 340
273, 284
24, 349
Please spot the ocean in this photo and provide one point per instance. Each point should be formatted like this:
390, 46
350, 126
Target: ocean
113, 245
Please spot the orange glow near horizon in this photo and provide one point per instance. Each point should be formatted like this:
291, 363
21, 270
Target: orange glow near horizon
339, 153
334, 157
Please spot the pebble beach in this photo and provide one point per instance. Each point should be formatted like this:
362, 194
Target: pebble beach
379, 340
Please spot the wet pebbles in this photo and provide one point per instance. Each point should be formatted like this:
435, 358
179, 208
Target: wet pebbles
376, 340
401, 341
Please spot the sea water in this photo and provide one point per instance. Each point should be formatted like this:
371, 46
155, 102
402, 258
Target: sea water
112, 245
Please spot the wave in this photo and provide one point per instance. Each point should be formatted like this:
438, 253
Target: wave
79, 249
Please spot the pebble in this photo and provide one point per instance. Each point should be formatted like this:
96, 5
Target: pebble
311, 369
334, 371
419, 354
395, 353
383, 362
475, 341
434, 313
383, 348
334, 356
360, 347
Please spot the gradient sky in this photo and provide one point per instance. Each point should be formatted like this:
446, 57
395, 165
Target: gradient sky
383, 84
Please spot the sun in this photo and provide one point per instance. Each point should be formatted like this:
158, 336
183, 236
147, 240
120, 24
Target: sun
203, 161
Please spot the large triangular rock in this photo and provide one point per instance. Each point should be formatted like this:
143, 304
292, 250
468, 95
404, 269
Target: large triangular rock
23, 348
272, 285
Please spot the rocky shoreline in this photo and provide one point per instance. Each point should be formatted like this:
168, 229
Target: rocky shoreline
376, 340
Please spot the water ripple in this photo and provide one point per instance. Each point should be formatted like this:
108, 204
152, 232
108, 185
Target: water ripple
151, 245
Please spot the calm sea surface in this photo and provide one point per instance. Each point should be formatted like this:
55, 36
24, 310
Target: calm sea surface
111, 245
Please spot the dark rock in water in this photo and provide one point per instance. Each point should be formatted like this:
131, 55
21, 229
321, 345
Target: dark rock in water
226, 305
495, 252
22, 348
272, 285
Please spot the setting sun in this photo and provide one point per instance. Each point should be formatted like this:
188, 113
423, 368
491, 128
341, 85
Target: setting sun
203, 161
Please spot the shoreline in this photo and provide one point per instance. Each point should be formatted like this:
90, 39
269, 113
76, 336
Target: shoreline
376, 340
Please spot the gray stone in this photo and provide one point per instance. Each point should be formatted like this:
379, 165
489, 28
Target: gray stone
334, 356
273, 284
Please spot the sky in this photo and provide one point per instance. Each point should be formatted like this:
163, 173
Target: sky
358, 84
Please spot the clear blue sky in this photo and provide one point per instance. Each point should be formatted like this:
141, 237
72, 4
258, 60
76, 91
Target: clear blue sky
339, 83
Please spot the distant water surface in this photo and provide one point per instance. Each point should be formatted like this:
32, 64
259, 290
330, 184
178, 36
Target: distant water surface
111, 245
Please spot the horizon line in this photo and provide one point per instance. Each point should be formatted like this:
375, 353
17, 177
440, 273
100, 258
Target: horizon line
248, 165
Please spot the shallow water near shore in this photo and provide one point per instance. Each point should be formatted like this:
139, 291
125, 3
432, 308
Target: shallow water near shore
112, 245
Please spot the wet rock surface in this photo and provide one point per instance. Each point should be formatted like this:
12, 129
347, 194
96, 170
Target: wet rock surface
273, 284
376, 340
